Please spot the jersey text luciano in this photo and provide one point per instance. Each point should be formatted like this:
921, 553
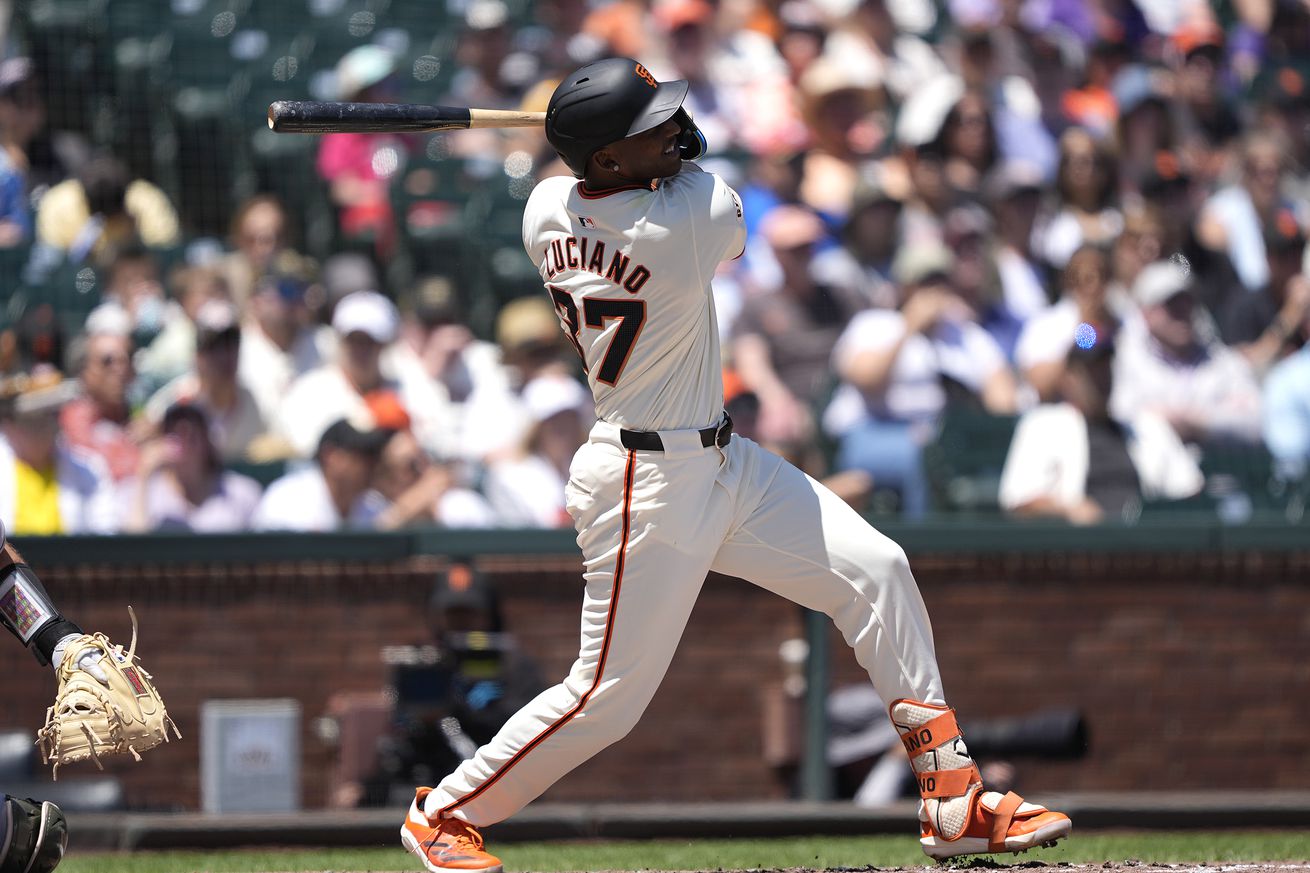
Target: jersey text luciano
581, 253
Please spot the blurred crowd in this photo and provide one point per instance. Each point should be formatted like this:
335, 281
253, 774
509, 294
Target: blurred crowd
1086, 218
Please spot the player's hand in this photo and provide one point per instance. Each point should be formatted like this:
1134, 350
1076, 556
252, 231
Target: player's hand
1085, 511
925, 308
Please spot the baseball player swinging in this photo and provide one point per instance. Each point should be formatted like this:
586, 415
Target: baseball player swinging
662, 492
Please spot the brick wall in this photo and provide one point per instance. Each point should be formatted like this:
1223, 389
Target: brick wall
1193, 670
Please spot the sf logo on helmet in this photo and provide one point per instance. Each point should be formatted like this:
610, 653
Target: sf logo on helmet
645, 74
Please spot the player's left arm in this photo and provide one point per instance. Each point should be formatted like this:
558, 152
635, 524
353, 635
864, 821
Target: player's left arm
27, 610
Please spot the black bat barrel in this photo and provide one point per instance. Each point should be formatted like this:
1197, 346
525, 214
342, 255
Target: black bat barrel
303, 116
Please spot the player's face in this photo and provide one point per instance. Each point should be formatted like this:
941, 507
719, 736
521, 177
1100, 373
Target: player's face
650, 155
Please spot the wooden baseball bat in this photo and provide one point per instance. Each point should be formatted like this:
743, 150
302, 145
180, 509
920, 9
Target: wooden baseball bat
309, 116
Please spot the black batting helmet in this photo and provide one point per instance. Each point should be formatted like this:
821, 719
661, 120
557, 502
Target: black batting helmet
606, 101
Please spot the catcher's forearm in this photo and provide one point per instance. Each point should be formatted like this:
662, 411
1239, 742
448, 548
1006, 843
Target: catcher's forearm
26, 608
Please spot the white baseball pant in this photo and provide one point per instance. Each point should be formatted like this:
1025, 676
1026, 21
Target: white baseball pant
651, 525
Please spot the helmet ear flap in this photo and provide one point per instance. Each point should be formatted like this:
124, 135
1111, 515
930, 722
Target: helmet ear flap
691, 142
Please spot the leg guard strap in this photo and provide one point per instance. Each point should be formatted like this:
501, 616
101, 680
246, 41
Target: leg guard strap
1004, 814
931, 734
947, 783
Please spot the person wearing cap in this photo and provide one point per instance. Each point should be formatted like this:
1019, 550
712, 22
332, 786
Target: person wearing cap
333, 492
22, 118
436, 346
366, 324
1147, 123
783, 338
46, 485
870, 236
279, 340
527, 489
1269, 324
1014, 191
357, 166
99, 419
1235, 219
1204, 389
1071, 459
212, 384
900, 368
531, 345
182, 486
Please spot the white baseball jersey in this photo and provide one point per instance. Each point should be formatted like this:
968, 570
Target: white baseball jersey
629, 271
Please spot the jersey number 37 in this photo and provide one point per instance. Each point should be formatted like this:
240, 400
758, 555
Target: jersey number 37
596, 312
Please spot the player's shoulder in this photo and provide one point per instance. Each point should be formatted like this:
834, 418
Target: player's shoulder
551, 192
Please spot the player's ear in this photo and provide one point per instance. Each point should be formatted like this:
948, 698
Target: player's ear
606, 160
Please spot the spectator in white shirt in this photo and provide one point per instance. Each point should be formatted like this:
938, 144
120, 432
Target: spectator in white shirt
182, 485
279, 342
1072, 460
900, 368
425, 491
1204, 389
365, 323
1049, 335
527, 490
335, 491
235, 421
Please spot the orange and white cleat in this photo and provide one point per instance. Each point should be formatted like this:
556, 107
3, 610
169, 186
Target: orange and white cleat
957, 816
447, 844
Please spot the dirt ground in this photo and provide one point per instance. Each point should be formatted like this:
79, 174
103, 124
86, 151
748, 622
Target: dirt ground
1107, 867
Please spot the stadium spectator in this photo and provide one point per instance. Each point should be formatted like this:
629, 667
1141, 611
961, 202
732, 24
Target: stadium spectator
358, 166
1269, 324
436, 346
1087, 186
132, 281
1237, 217
1014, 192
182, 485
173, 350
259, 247
279, 341
842, 105
871, 234
1204, 389
22, 115
485, 75
527, 490
99, 419
1145, 125
1287, 412
424, 491
47, 486
335, 490
1072, 460
967, 232
1049, 335
783, 339
532, 344
235, 421
900, 369
365, 323
101, 209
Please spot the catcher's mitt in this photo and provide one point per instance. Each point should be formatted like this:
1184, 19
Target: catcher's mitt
106, 705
